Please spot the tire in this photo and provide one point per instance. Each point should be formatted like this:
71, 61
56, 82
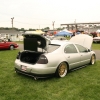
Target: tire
93, 60
11, 47
16, 72
62, 70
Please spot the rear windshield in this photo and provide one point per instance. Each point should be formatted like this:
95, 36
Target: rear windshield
50, 48
53, 47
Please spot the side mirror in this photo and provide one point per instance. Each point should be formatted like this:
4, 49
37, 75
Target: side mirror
89, 50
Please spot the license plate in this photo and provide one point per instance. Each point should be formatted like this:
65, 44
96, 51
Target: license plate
23, 68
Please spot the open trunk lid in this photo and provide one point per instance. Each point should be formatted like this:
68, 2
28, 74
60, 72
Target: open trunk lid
34, 41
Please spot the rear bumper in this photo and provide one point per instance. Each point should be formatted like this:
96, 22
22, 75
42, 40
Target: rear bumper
34, 75
36, 70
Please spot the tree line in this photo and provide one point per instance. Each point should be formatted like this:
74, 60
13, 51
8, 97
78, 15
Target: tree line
30, 29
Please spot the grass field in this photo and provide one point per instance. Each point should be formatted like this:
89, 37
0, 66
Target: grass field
96, 46
83, 84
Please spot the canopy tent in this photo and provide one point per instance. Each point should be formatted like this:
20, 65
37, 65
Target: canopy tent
63, 33
39, 32
29, 31
35, 32
67, 31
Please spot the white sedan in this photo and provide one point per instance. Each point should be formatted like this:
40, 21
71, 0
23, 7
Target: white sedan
96, 39
56, 58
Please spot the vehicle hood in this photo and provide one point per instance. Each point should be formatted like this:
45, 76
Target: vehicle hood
83, 39
35, 41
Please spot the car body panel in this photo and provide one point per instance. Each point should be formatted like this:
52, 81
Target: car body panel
72, 61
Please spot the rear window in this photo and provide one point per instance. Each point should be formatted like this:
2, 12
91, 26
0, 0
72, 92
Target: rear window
52, 48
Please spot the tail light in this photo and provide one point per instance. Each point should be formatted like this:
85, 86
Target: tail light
18, 55
42, 60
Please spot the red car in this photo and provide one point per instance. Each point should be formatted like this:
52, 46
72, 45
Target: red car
7, 45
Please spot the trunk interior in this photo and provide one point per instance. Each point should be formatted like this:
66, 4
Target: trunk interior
30, 57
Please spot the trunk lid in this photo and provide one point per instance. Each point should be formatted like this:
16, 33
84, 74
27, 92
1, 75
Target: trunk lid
34, 41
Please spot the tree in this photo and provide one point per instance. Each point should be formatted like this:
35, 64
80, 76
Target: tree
22, 29
46, 28
30, 29
59, 28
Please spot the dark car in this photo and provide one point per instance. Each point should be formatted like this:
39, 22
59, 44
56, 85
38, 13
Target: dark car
7, 45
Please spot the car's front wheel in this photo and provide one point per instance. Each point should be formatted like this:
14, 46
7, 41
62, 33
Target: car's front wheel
93, 59
62, 70
11, 47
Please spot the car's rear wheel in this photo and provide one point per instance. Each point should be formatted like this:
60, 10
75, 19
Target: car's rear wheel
93, 59
11, 47
62, 70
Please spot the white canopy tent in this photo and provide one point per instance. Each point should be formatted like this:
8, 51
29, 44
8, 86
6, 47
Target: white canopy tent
35, 32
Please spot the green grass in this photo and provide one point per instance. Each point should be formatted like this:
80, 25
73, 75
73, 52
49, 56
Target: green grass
21, 42
96, 46
83, 84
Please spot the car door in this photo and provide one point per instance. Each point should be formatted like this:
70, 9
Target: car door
1, 44
84, 54
4, 44
72, 56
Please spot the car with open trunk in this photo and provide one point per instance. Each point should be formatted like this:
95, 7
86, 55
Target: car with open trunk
43, 58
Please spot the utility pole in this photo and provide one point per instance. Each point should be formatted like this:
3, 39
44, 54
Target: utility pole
39, 27
12, 21
53, 22
75, 24
75, 21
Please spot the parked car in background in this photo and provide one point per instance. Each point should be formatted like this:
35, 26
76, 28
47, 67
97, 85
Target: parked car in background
96, 39
94, 34
56, 58
49, 37
59, 38
4, 44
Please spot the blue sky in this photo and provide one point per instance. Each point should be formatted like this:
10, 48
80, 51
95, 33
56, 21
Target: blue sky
41, 13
